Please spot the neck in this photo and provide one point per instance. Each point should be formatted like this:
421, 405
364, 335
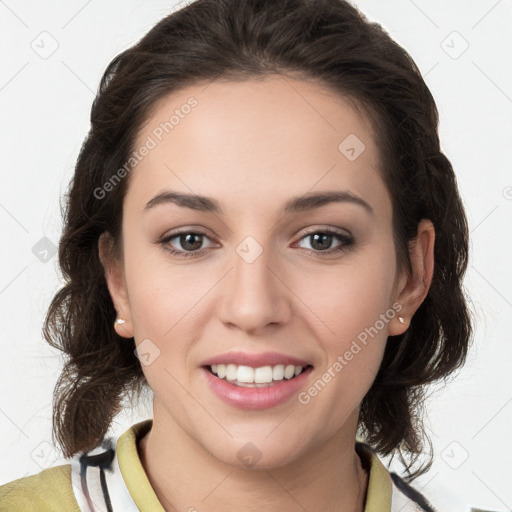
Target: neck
328, 478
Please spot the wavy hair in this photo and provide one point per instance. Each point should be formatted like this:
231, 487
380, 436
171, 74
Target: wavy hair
333, 44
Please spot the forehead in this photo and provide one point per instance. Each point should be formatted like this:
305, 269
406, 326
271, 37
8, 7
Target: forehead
253, 142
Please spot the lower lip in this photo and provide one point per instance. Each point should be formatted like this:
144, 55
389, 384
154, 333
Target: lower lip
256, 398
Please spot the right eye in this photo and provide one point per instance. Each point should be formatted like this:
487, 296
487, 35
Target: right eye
190, 242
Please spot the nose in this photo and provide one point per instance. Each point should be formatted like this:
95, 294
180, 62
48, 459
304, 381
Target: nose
254, 293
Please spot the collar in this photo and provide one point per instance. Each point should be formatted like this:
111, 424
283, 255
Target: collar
378, 496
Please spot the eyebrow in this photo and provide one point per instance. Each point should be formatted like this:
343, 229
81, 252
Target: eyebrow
304, 203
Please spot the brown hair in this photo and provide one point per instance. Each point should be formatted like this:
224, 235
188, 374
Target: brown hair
332, 43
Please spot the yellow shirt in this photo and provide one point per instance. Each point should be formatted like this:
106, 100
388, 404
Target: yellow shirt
111, 478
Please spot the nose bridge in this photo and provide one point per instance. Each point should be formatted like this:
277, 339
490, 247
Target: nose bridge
255, 296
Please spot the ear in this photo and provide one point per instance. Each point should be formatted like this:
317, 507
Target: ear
413, 287
114, 276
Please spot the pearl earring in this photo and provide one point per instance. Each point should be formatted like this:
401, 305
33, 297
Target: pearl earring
119, 321
401, 319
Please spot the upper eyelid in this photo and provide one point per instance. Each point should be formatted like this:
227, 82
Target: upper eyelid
204, 232
337, 231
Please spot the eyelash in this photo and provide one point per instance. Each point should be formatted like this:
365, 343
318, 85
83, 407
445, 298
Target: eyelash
347, 242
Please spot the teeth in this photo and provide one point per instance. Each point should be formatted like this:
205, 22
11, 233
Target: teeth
289, 371
263, 375
278, 372
247, 376
231, 372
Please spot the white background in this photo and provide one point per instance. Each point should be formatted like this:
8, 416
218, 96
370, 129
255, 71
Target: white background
45, 105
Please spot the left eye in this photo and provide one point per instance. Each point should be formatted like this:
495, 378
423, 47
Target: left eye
321, 241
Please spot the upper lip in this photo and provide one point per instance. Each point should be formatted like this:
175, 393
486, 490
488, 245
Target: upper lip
255, 360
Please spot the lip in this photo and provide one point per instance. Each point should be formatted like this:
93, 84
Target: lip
255, 360
256, 398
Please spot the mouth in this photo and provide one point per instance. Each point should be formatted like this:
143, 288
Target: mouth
260, 377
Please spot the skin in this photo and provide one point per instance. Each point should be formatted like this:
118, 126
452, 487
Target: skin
253, 156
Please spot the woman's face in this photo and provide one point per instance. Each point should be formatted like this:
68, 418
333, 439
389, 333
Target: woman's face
289, 261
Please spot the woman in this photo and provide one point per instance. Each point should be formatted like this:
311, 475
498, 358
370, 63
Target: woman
261, 229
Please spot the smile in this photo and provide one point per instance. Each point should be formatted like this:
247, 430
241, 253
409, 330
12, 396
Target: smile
263, 376
239, 386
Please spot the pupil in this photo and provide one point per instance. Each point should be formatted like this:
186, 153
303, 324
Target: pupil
322, 237
185, 241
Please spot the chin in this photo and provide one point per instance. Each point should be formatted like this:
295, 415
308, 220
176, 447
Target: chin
258, 453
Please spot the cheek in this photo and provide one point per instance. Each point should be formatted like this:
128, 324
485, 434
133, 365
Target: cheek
168, 307
350, 299
353, 354
353, 309
159, 294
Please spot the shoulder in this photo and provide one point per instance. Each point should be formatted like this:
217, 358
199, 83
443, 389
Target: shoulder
47, 491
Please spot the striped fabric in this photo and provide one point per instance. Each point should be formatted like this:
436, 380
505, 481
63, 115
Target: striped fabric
98, 483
